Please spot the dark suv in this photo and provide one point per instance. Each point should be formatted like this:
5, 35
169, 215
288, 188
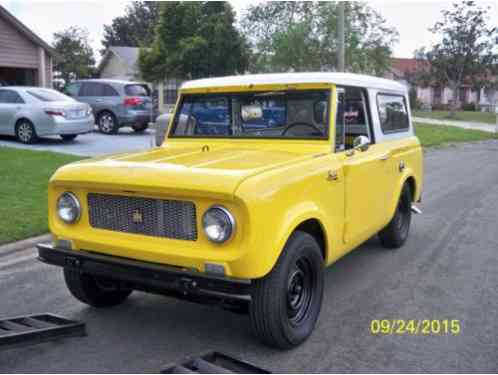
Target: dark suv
115, 103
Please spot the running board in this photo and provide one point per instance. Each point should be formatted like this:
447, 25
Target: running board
212, 363
34, 329
416, 210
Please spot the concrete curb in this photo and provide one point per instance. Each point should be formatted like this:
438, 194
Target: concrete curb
23, 244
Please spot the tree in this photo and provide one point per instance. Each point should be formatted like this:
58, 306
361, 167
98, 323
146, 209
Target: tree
77, 60
301, 36
135, 28
193, 40
466, 52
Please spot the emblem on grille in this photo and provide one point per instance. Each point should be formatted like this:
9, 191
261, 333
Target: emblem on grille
137, 217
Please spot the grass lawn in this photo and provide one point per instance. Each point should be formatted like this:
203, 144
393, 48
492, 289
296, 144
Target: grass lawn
24, 176
439, 135
484, 117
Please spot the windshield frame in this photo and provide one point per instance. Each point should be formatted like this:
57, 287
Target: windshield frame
329, 90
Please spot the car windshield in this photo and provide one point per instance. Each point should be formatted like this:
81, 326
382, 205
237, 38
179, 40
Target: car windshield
275, 114
47, 95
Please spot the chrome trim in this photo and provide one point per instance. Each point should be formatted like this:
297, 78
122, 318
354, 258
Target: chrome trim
230, 218
78, 206
416, 210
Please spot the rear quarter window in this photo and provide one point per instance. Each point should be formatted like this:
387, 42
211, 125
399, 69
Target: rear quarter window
137, 90
393, 114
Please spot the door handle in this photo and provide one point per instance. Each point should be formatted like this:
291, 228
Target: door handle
384, 157
99, 100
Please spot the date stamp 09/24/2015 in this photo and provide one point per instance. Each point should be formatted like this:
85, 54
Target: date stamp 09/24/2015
424, 327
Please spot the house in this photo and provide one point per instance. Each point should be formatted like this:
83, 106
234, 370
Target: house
25, 59
121, 63
440, 97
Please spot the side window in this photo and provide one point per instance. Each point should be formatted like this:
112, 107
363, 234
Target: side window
72, 89
393, 114
107, 90
10, 97
90, 89
354, 117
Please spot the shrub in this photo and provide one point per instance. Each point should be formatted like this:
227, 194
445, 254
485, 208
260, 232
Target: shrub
469, 107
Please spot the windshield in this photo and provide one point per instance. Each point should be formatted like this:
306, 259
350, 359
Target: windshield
47, 95
278, 114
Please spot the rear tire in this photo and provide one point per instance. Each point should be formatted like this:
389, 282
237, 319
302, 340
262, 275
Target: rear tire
286, 303
395, 234
140, 127
93, 290
26, 132
107, 123
68, 137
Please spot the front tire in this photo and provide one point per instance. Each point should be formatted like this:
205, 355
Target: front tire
93, 290
107, 123
26, 132
395, 234
286, 303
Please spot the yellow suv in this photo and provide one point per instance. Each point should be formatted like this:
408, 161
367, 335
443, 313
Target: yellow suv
261, 182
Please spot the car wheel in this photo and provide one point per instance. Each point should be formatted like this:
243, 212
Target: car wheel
394, 235
26, 132
93, 290
140, 127
286, 303
107, 123
68, 137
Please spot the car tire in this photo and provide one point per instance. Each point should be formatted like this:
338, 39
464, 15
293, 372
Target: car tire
395, 234
93, 290
26, 132
286, 303
107, 123
140, 127
68, 137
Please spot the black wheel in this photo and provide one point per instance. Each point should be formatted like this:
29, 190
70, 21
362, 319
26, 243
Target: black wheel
26, 132
107, 123
286, 303
95, 291
68, 137
140, 127
394, 235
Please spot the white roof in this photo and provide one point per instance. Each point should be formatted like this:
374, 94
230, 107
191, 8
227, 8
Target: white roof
342, 79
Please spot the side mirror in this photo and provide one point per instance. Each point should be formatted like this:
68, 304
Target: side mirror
361, 143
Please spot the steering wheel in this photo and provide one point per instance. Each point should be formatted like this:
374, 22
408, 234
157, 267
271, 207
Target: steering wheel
294, 124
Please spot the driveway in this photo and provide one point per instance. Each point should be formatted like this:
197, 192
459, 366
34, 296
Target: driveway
447, 270
91, 144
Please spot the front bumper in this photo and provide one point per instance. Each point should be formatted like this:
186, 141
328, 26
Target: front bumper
151, 277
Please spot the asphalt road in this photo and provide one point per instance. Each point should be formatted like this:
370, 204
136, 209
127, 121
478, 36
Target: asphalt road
91, 144
447, 270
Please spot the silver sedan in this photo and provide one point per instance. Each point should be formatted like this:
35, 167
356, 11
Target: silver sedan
31, 112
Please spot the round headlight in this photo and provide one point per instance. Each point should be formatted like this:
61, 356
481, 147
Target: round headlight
218, 223
68, 208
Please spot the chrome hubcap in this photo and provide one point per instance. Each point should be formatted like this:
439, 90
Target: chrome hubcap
25, 132
106, 123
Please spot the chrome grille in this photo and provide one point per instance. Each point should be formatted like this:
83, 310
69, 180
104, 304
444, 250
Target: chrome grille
151, 217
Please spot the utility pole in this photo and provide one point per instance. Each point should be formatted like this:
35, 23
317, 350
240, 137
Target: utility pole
340, 36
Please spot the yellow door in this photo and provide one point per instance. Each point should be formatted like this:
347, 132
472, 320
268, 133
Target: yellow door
366, 193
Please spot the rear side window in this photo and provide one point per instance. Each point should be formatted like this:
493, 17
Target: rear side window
393, 114
107, 90
137, 90
46, 95
10, 97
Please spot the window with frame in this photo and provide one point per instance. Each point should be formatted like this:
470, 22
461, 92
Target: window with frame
73, 89
90, 89
10, 97
107, 90
393, 114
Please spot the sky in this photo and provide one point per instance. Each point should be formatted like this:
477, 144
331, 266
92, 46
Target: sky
410, 18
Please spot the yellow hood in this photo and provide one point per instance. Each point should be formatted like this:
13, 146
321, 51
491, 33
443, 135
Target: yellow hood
190, 171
